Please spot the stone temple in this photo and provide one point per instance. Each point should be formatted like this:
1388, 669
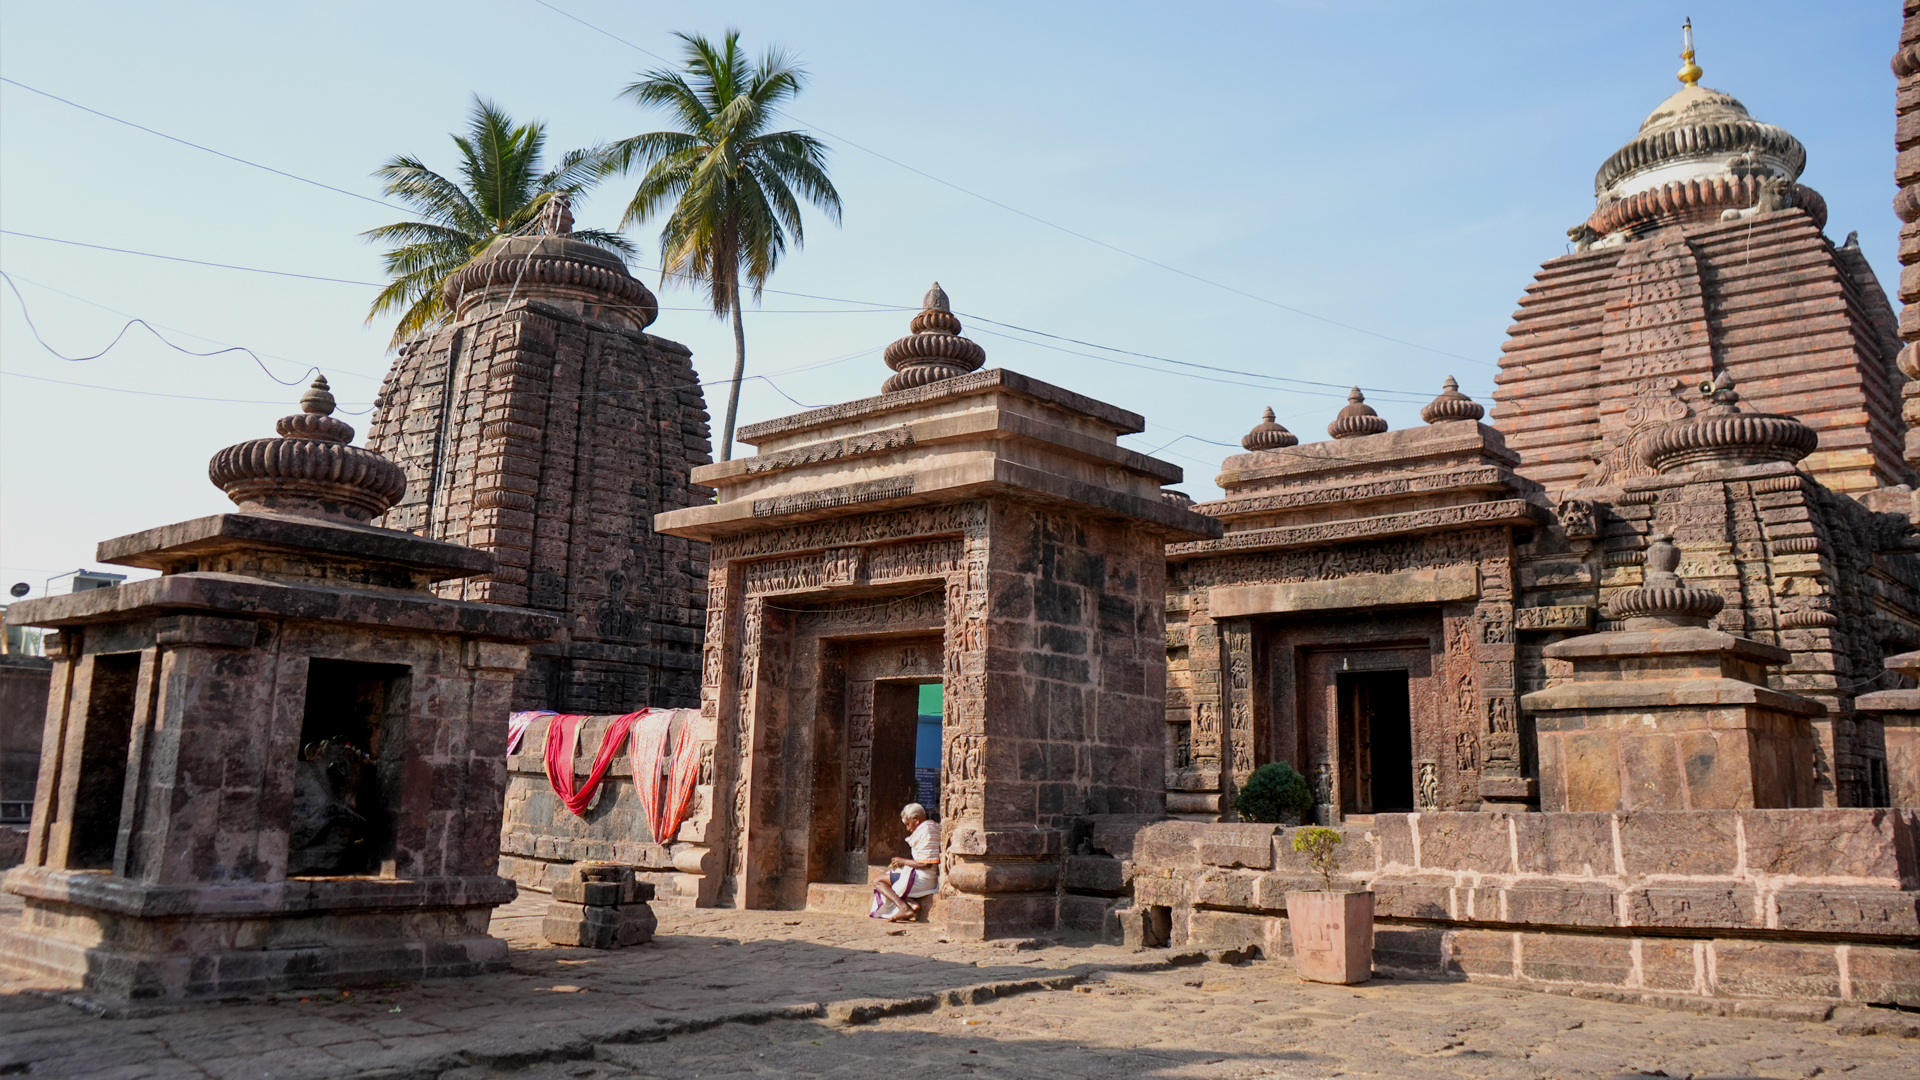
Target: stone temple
543, 425
1609, 690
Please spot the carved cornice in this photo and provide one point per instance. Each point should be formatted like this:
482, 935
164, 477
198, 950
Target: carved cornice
1472, 515
1354, 491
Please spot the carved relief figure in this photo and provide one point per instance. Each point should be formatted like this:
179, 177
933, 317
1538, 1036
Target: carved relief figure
1429, 789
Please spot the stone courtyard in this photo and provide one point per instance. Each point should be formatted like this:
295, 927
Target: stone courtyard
788, 993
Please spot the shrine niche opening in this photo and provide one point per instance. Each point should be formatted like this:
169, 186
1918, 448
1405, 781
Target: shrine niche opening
1376, 742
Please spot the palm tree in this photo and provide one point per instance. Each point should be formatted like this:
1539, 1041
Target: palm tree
501, 190
730, 182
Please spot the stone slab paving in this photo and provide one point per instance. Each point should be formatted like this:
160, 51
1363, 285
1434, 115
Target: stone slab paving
762, 994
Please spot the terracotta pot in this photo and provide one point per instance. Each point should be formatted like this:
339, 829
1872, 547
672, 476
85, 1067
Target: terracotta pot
1332, 935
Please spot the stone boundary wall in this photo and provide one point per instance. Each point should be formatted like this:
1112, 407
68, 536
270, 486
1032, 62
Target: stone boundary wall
1814, 904
540, 839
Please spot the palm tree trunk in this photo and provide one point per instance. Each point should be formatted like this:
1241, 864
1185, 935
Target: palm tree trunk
739, 369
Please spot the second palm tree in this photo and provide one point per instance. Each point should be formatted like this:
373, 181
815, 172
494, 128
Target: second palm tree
731, 189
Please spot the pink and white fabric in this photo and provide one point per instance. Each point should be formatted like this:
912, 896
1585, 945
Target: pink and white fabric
686, 770
648, 742
666, 808
563, 733
517, 725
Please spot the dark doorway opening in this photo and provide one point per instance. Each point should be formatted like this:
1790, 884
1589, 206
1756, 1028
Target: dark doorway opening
904, 737
103, 761
1376, 735
347, 781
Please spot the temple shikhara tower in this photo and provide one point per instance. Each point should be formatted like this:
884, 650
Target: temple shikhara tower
543, 425
1704, 254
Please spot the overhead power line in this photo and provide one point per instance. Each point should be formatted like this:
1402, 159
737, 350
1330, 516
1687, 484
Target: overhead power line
196, 262
197, 146
1055, 225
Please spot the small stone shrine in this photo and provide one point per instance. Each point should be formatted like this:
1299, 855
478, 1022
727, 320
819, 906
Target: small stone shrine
1665, 714
978, 529
541, 424
1357, 619
280, 763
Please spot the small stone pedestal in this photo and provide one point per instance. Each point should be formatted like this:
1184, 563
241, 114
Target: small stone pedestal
600, 906
1668, 714
280, 763
1899, 713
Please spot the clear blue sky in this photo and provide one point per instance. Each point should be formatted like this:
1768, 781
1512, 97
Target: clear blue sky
1401, 167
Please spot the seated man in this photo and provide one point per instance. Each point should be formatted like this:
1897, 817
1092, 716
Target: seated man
906, 879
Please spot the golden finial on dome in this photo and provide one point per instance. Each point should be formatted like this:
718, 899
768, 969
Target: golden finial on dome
1689, 72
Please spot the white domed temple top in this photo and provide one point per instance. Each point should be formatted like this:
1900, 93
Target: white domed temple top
1699, 157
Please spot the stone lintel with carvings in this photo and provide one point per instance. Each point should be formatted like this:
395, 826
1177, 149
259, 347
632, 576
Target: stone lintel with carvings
1517, 512
983, 434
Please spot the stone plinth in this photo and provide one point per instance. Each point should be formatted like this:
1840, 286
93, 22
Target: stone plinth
1379, 554
1678, 718
1899, 714
984, 531
599, 906
1709, 904
280, 764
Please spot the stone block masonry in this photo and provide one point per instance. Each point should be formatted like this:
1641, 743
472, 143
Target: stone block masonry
1701, 905
544, 426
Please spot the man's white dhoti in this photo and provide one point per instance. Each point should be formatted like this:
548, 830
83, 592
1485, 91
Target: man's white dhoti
908, 881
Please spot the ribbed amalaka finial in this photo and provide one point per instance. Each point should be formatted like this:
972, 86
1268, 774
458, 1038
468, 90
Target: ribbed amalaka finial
1724, 435
1689, 71
1268, 434
310, 471
1451, 405
1357, 419
934, 350
1662, 599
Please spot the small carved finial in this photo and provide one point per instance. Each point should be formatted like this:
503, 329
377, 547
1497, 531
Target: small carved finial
1451, 405
934, 350
311, 470
556, 214
1689, 71
318, 399
1268, 434
1357, 419
1662, 600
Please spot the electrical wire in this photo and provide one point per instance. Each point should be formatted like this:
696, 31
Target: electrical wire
1053, 225
196, 262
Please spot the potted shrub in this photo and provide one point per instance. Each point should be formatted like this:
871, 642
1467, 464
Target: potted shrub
1332, 929
1276, 792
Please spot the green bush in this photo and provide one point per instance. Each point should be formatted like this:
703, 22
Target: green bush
1274, 793
1322, 849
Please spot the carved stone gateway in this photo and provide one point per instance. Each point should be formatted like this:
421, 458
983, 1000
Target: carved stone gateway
279, 764
981, 530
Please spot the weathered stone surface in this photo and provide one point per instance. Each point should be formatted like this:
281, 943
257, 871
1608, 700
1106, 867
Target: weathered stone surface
280, 763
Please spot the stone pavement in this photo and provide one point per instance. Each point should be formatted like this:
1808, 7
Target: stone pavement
725, 993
